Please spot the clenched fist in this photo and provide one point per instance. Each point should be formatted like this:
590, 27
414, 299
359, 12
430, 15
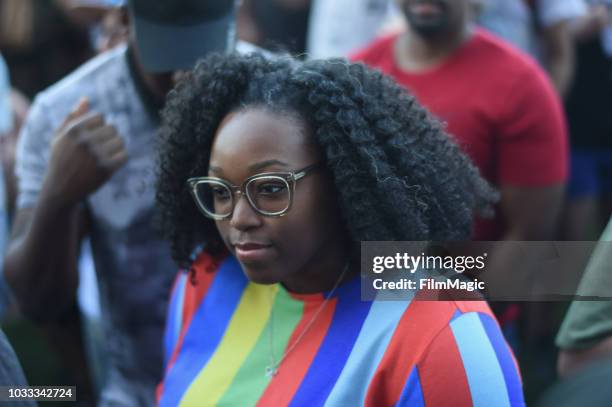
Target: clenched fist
84, 155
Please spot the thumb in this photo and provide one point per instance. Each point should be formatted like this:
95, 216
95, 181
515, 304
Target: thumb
79, 110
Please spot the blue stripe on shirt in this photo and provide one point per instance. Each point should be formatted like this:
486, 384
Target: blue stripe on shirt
484, 374
205, 331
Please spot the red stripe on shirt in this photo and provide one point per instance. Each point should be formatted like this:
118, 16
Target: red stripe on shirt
196, 288
442, 368
283, 386
410, 340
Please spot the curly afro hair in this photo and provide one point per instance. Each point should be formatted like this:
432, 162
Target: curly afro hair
397, 174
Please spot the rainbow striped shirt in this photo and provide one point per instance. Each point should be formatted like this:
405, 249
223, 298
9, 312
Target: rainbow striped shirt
355, 353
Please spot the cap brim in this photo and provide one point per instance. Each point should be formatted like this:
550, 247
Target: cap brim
163, 48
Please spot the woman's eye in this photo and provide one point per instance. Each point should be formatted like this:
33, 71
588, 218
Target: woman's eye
220, 193
271, 188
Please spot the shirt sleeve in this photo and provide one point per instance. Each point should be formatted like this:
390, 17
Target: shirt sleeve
532, 133
32, 154
551, 12
468, 363
174, 321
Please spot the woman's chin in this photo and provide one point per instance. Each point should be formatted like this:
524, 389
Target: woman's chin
260, 276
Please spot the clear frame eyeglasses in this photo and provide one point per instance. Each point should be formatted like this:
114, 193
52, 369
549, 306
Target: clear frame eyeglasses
269, 193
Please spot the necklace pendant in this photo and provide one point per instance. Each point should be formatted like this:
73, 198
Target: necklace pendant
271, 371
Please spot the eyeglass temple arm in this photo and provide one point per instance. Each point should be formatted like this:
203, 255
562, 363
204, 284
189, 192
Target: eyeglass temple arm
301, 174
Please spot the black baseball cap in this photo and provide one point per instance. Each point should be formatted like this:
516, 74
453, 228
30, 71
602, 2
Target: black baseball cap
174, 34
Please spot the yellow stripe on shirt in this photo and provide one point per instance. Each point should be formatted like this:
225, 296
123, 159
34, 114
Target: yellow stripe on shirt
240, 337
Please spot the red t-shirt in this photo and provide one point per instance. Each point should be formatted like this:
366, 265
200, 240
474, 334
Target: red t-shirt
500, 107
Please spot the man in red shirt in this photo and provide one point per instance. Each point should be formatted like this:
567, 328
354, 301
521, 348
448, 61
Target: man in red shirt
496, 102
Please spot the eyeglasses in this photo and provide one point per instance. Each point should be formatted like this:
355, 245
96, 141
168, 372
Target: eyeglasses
269, 194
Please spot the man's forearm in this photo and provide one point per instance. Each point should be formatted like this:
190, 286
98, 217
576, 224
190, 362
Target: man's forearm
560, 56
561, 71
41, 261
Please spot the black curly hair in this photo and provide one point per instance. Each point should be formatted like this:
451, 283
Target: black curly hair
397, 174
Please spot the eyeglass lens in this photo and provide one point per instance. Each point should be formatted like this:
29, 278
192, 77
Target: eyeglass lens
269, 195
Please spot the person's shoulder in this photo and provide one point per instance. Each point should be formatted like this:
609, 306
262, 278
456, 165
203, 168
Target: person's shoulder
207, 265
206, 262
376, 51
87, 78
500, 55
468, 355
444, 325
195, 280
427, 331
506, 69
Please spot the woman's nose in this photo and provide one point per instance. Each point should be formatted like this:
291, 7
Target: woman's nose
244, 216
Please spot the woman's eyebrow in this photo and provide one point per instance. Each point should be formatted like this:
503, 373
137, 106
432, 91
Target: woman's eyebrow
267, 163
212, 168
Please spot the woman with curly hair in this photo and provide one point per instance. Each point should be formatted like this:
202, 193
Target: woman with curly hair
271, 174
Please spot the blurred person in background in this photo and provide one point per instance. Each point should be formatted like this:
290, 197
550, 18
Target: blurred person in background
107, 23
541, 28
107, 26
497, 103
585, 337
13, 108
86, 167
588, 107
502, 109
40, 42
546, 29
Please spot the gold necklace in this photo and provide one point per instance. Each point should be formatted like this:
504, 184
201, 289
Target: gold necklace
273, 367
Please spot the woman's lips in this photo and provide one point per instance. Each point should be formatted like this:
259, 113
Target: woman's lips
253, 252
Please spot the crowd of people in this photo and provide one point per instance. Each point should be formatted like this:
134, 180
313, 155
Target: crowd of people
126, 241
